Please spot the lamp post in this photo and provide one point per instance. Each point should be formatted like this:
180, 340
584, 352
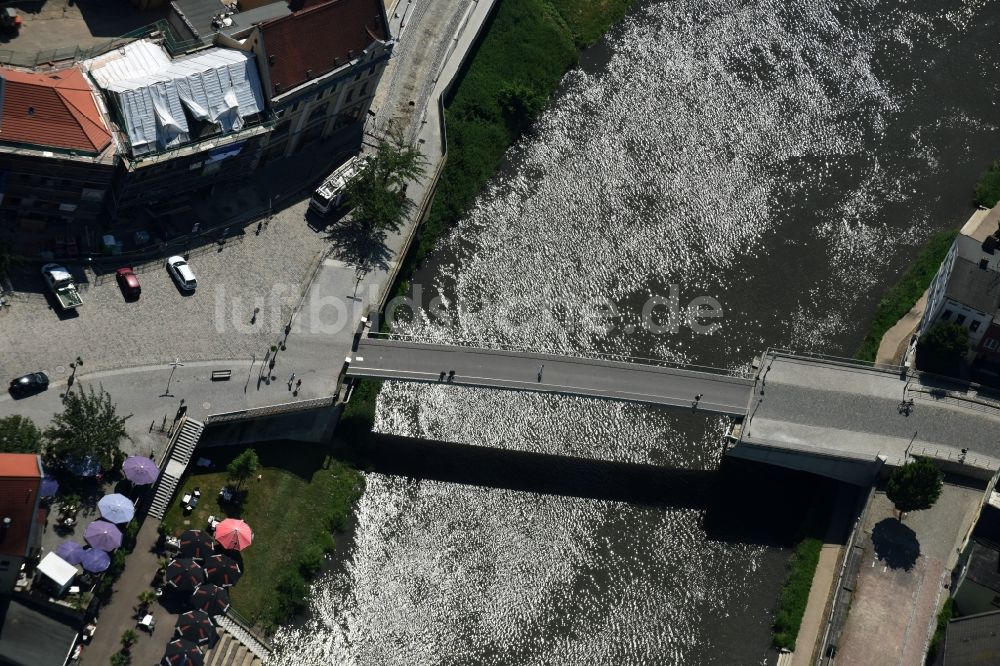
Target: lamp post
173, 368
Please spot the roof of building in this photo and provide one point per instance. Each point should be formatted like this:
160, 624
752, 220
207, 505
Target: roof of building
200, 16
163, 102
20, 478
973, 640
316, 40
984, 565
57, 569
52, 109
972, 282
22, 627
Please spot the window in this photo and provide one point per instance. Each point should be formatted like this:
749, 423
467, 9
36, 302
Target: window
974, 326
960, 319
991, 344
946, 315
350, 95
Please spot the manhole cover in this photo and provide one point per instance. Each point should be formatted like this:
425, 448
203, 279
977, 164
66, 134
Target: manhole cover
206, 405
60, 369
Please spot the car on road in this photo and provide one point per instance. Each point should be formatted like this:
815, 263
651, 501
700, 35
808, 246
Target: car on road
128, 282
33, 382
180, 270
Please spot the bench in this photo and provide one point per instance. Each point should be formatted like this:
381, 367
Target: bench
221, 375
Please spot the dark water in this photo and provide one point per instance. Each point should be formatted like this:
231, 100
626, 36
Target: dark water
784, 159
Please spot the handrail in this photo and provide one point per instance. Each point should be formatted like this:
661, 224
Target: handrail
599, 356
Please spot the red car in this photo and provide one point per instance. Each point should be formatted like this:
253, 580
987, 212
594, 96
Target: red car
128, 282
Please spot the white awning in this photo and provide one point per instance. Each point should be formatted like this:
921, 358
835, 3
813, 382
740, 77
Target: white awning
58, 569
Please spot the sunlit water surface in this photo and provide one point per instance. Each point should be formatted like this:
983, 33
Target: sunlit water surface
785, 158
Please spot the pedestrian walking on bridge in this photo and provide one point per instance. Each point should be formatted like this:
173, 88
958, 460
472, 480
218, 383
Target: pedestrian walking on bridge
541, 369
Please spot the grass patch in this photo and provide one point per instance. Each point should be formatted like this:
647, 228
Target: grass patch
902, 296
988, 187
589, 19
302, 497
944, 617
795, 592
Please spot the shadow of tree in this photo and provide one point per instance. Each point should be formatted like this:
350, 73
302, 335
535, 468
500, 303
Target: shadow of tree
359, 245
895, 544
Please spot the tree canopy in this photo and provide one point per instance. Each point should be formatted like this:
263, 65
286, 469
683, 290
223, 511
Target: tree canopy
19, 434
914, 486
88, 427
377, 196
243, 466
942, 349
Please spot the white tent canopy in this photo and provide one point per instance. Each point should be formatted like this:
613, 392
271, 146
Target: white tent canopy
159, 98
58, 570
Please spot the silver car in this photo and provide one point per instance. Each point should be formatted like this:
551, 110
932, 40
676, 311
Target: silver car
181, 271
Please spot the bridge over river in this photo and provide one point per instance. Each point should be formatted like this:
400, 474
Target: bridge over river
831, 416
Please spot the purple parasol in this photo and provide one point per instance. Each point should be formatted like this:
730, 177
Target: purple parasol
49, 486
70, 551
95, 560
116, 508
140, 471
103, 535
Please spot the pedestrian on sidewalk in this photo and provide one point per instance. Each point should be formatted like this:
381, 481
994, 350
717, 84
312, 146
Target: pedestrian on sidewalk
298, 385
291, 378
541, 369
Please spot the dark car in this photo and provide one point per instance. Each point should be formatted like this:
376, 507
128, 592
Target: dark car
128, 282
33, 382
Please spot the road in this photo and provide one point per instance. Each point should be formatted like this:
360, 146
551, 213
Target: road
657, 385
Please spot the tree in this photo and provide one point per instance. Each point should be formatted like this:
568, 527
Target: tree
19, 434
129, 638
942, 349
377, 195
88, 427
121, 659
146, 598
243, 466
914, 486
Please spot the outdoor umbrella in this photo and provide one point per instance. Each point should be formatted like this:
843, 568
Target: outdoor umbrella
222, 570
140, 470
70, 551
196, 626
49, 486
103, 535
95, 560
182, 653
184, 574
233, 534
197, 544
116, 508
212, 599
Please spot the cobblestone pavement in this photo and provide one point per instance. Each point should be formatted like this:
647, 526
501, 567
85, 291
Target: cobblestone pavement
266, 271
903, 570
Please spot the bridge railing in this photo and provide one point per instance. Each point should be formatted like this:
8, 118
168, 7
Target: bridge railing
492, 345
831, 358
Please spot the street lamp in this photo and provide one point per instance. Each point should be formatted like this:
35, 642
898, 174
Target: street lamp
173, 368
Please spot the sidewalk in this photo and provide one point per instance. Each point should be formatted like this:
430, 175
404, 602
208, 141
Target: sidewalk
119, 614
811, 629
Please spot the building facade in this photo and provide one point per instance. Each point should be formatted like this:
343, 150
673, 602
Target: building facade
20, 485
57, 159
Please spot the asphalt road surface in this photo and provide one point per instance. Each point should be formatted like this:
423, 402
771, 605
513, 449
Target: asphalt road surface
666, 386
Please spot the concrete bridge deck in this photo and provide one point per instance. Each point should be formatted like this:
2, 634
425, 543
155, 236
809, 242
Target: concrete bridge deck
661, 385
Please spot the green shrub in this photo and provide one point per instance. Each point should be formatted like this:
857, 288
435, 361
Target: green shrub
311, 561
942, 349
290, 598
795, 592
988, 187
943, 618
902, 296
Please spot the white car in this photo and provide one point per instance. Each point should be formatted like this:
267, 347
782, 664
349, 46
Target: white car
181, 271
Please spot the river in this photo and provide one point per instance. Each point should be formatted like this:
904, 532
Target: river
784, 159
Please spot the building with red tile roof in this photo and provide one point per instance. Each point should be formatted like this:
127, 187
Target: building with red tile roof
51, 110
20, 482
318, 39
319, 65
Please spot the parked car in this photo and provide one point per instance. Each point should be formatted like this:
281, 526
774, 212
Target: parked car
33, 382
181, 271
128, 282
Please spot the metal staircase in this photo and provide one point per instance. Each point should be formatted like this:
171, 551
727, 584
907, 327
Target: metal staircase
182, 447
